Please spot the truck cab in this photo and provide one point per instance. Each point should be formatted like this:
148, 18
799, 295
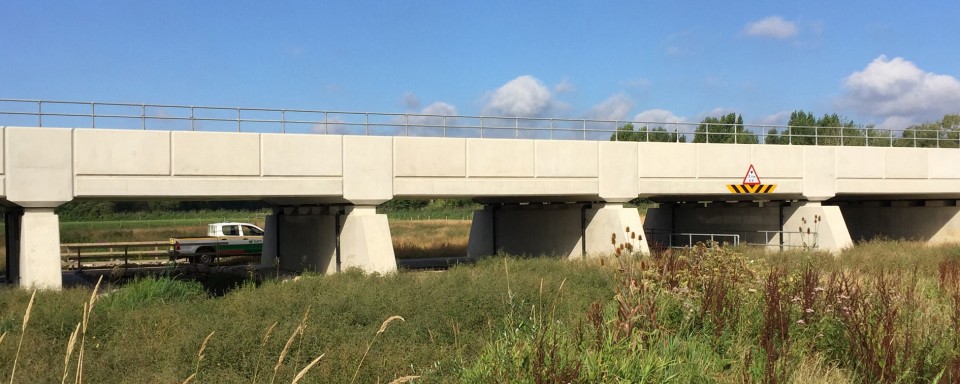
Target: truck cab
233, 229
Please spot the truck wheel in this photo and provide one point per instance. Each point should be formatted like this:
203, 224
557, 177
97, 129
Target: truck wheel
205, 258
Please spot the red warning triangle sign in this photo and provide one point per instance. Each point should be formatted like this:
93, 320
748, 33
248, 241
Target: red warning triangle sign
751, 178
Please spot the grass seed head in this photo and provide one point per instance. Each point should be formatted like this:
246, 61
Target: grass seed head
383, 327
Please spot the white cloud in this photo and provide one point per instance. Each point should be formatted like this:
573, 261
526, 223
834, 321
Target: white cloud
716, 112
773, 27
524, 96
333, 126
658, 116
615, 107
898, 92
565, 86
779, 118
411, 101
435, 113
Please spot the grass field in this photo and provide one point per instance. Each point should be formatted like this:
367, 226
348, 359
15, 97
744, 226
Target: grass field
882, 312
411, 239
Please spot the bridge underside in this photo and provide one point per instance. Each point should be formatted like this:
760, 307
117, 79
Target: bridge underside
328, 238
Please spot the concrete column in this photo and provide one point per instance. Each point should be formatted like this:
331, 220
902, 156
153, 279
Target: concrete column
268, 258
482, 240
608, 220
307, 239
821, 227
40, 249
933, 222
365, 241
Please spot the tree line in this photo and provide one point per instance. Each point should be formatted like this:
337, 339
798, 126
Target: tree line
803, 128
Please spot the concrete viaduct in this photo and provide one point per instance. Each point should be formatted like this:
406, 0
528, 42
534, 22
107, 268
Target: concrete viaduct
541, 196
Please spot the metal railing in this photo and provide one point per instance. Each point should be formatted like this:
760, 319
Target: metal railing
675, 239
75, 114
807, 239
115, 252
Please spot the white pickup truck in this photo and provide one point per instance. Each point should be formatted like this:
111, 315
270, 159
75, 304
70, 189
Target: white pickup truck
223, 239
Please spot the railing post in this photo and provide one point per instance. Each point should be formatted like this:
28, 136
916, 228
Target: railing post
238, 119
192, 127
39, 113
406, 124
79, 264
326, 125
584, 129
93, 115
516, 127
708, 135
283, 121
444, 125
816, 136
366, 124
143, 116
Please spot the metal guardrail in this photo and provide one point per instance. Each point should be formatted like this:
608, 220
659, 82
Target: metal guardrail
807, 239
709, 239
68, 114
113, 251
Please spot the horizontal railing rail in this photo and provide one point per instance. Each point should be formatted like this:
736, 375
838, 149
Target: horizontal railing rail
76, 114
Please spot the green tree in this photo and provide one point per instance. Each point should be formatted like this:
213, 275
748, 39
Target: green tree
724, 129
806, 129
645, 134
943, 134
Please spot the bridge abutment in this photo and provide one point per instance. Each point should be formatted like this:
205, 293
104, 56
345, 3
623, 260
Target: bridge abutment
775, 224
328, 239
931, 221
564, 230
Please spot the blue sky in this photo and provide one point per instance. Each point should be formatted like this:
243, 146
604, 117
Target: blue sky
887, 64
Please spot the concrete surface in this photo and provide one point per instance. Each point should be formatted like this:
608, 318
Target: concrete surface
41, 168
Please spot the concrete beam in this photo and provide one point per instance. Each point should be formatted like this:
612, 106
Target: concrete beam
39, 166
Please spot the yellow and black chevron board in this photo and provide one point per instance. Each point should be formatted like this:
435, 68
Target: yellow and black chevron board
757, 188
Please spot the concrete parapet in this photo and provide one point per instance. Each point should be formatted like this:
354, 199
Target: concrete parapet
39, 166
